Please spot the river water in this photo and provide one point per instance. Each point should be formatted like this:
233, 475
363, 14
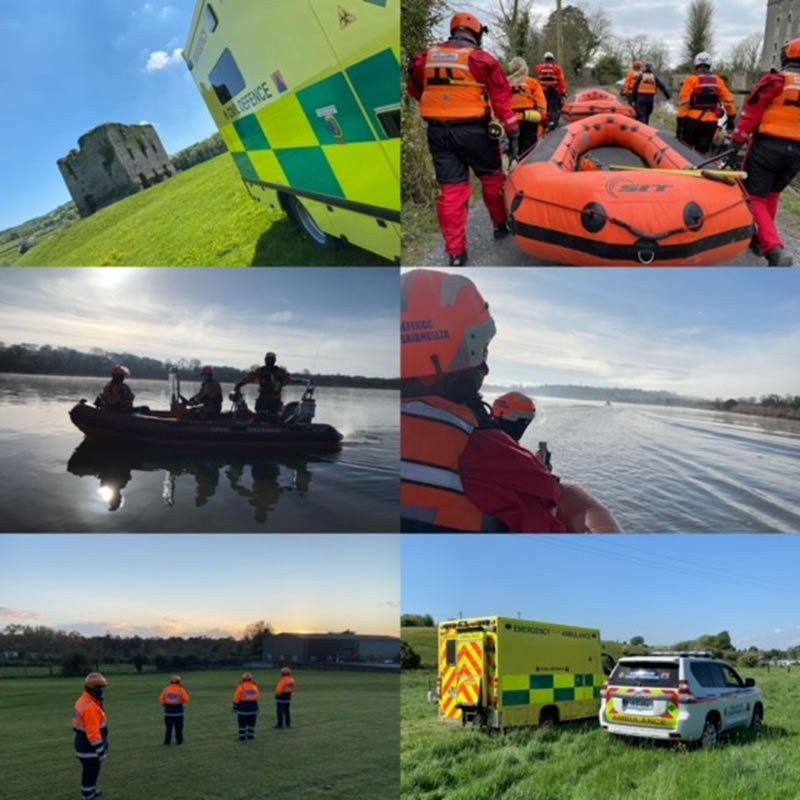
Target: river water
664, 469
53, 482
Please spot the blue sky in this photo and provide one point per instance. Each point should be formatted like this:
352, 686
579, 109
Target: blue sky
665, 588
205, 584
699, 332
323, 320
67, 66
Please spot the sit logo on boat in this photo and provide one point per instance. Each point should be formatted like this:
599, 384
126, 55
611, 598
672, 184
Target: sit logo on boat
619, 186
308, 103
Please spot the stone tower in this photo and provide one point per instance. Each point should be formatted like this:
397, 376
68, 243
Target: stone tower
783, 23
112, 162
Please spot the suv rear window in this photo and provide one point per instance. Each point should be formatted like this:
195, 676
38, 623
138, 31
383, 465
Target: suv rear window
652, 674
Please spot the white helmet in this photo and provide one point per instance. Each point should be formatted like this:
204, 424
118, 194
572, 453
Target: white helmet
702, 58
549, 55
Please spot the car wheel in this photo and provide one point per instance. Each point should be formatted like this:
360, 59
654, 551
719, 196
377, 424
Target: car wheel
302, 217
757, 722
710, 737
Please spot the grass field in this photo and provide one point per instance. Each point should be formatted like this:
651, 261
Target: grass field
12, 671
579, 761
344, 740
201, 217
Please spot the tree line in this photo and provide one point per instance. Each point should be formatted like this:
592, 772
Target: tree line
199, 152
31, 359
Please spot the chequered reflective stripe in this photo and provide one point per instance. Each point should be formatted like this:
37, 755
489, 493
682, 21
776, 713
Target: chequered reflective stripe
615, 709
447, 674
548, 688
321, 138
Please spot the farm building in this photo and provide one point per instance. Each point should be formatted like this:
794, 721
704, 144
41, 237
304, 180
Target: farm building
329, 648
112, 162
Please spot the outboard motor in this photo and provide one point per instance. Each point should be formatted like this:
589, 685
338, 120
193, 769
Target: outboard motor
302, 411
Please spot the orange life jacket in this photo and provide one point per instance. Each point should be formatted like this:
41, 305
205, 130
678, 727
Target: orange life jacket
450, 92
89, 718
706, 95
630, 82
286, 684
523, 98
117, 396
648, 85
247, 692
174, 695
434, 434
781, 117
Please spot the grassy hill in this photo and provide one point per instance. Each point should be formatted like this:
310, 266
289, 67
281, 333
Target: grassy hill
201, 217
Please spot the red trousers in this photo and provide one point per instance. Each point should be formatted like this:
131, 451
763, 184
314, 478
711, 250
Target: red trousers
453, 209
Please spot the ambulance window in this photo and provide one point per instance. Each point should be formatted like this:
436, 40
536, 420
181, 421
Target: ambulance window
451, 652
226, 77
211, 18
390, 121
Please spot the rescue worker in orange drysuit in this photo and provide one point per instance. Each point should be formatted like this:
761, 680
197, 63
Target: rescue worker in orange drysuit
284, 691
770, 124
173, 698
90, 725
458, 85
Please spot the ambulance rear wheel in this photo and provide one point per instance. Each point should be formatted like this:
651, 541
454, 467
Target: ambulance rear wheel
548, 717
301, 216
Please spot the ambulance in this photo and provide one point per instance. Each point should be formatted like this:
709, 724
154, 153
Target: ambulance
501, 672
306, 95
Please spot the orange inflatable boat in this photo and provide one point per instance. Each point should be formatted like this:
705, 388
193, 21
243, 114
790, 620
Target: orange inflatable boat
582, 513
595, 101
567, 207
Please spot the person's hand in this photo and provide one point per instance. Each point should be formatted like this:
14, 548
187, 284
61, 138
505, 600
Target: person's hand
730, 124
513, 140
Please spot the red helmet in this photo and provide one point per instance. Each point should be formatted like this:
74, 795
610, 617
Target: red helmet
248, 676
468, 21
445, 324
175, 679
790, 51
514, 406
207, 370
119, 369
637, 64
286, 671
95, 680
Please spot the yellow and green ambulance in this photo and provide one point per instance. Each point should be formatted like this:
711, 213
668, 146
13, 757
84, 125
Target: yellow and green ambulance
503, 672
306, 94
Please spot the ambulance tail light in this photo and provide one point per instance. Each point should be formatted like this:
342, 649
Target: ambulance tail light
684, 693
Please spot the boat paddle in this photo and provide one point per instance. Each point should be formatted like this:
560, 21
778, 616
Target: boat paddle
697, 173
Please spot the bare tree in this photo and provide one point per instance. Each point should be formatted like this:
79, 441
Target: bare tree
698, 35
514, 20
746, 54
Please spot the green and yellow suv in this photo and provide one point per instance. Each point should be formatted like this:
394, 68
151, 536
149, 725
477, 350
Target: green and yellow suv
687, 697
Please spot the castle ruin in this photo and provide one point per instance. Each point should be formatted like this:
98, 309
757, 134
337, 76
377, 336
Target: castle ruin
112, 162
783, 23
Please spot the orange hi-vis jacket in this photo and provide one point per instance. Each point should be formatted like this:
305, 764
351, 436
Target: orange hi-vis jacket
551, 76
247, 692
286, 686
781, 117
648, 84
630, 82
434, 434
451, 93
703, 97
90, 724
528, 97
117, 396
173, 698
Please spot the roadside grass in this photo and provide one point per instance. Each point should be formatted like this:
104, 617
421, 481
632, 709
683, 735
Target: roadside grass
344, 740
579, 761
201, 217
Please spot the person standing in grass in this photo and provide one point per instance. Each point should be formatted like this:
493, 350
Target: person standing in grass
173, 698
90, 724
245, 704
283, 698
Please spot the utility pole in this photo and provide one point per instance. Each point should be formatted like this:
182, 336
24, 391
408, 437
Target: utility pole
559, 40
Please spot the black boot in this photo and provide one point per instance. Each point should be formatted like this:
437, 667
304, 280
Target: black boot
501, 231
458, 261
778, 258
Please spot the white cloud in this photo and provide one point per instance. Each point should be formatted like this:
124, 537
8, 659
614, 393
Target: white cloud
160, 59
7, 613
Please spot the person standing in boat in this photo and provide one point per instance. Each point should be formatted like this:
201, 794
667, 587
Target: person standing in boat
116, 394
630, 80
458, 86
209, 398
704, 99
770, 125
527, 101
459, 471
271, 379
551, 76
645, 90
